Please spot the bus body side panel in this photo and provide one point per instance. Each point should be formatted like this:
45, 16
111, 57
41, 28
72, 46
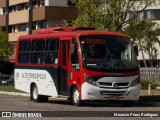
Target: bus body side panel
46, 80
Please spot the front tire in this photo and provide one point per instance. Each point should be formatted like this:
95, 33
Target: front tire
76, 97
36, 97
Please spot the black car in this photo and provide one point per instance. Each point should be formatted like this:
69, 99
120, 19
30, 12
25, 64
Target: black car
9, 81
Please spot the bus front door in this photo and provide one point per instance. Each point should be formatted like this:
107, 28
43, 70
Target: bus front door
64, 58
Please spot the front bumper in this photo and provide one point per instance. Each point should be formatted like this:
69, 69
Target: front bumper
91, 92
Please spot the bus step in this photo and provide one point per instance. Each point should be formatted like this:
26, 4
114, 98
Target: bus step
62, 96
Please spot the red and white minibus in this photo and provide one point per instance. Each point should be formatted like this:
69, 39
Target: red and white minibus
80, 63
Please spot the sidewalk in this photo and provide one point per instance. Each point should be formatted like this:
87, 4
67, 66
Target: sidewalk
14, 93
153, 93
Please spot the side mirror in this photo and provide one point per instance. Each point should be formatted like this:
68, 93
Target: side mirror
135, 47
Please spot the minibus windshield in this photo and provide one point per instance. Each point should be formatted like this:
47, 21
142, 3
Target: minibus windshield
107, 52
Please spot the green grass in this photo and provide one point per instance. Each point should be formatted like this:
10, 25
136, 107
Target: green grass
9, 89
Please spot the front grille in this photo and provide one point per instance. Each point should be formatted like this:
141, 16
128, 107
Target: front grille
109, 84
105, 83
113, 93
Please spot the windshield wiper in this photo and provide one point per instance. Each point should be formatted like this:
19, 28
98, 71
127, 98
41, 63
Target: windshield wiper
119, 61
110, 56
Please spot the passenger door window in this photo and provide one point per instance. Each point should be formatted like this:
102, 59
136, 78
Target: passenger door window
74, 55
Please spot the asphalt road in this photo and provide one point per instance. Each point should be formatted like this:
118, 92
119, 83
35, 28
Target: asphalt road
19, 103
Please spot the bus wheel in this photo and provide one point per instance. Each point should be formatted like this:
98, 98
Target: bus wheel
36, 97
76, 97
34, 94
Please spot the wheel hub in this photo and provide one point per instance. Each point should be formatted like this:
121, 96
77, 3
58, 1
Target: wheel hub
76, 96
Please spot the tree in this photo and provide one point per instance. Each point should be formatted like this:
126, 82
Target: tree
120, 16
152, 31
110, 15
6, 48
145, 34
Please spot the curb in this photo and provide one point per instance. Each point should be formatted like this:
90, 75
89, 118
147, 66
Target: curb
24, 95
149, 104
14, 93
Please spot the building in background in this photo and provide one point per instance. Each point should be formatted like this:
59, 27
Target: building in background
22, 17
152, 14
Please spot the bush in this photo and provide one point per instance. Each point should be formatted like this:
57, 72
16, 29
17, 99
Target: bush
145, 83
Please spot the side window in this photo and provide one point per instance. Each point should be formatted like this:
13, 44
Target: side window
74, 55
37, 51
51, 51
24, 50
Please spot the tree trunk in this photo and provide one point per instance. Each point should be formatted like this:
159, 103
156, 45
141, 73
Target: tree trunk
150, 58
144, 61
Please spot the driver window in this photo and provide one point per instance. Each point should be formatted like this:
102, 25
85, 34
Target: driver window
74, 55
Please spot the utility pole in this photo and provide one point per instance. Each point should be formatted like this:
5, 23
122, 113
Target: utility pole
30, 17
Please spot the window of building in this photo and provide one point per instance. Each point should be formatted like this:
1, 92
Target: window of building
34, 3
152, 14
130, 15
43, 24
37, 51
34, 26
14, 8
43, 2
51, 51
26, 6
24, 50
13, 28
22, 27
10, 29
4, 11
10, 9
20, 7
38, 3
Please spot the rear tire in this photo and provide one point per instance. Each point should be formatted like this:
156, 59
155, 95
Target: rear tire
36, 97
76, 97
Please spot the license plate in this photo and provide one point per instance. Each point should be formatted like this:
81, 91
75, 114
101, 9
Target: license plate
113, 98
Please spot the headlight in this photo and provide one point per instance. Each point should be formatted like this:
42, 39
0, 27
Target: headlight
90, 80
135, 82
